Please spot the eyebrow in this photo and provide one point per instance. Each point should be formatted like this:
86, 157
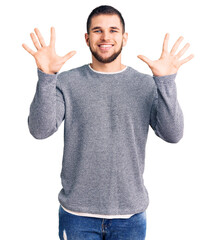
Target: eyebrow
94, 28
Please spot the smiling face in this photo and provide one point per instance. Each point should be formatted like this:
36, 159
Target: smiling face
106, 38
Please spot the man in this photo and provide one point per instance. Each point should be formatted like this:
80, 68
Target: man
107, 108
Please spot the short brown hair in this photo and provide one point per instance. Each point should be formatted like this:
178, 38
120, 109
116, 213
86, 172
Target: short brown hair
105, 9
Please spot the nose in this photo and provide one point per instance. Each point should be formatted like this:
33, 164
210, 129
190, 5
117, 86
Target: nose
105, 35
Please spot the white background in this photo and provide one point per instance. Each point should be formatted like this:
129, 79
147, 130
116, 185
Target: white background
180, 178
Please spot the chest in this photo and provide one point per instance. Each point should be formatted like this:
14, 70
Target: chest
94, 99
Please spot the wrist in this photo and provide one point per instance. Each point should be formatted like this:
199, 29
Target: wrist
166, 79
46, 71
162, 74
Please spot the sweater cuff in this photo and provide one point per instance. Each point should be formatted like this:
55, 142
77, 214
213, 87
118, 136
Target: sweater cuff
165, 79
45, 77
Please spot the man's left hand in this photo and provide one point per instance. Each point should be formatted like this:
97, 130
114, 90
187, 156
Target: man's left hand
169, 62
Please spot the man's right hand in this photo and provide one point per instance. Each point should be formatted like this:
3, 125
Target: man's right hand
46, 58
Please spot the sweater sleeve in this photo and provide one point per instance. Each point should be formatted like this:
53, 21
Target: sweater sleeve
47, 108
166, 115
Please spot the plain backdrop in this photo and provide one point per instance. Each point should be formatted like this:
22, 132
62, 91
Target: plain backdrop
180, 178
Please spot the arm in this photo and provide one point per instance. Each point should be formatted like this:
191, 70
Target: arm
166, 115
47, 108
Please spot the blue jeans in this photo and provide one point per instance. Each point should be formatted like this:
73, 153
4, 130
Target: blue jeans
73, 227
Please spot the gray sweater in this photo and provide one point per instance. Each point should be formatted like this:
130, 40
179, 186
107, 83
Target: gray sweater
106, 123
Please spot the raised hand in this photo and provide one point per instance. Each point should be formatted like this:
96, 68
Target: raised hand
46, 58
169, 62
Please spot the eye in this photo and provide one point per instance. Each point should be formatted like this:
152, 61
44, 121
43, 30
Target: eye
113, 31
97, 31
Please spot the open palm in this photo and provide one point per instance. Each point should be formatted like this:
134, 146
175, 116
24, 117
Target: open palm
169, 62
46, 58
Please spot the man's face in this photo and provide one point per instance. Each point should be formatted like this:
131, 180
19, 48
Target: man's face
105, 38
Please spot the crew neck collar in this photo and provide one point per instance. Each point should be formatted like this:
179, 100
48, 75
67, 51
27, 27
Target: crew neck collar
107, 72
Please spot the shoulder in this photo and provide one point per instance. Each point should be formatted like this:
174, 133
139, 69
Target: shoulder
143, 77
71, 75
73, 72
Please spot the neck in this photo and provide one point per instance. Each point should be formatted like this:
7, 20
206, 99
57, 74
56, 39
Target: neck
114, 66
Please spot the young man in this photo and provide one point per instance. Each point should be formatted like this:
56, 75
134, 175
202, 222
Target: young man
107, 108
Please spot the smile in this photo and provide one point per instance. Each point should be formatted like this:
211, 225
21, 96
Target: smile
105, 46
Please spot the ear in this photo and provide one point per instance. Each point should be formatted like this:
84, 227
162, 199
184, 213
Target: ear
87, 39
125, 38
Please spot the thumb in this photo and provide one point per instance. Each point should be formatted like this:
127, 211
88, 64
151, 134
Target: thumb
68, 56
145, 59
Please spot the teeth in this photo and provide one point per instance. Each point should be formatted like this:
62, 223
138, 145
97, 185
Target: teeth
105, 46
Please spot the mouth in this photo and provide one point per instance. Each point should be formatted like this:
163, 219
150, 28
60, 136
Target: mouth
105, 47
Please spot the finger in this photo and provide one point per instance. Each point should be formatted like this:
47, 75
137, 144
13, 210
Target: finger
41, 40
68, 56
52, 37
165, 44
186, 59
34, 40
28, 49
176, 45
183, 50
145, 59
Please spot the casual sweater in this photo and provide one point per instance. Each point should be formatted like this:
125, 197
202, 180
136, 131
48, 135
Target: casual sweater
106, 122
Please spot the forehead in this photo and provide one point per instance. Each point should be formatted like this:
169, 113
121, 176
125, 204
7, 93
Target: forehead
106, 21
